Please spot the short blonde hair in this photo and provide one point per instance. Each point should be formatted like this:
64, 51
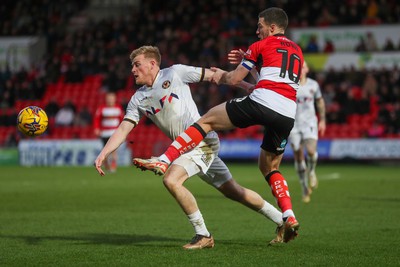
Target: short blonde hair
148, 51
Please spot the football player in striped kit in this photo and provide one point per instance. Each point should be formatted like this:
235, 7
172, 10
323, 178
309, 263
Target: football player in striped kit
106, 120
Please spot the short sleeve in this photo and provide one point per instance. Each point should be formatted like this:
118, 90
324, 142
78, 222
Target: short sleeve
318, 93
132, 111
189, 74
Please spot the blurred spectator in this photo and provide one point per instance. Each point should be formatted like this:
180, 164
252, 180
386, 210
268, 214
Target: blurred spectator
73, 74
106, 121
358, 102
361, 46
376, 130
335, 114
371, 43
393, 120
65, 116
52, 107
389, 45
83, 118
312, 45
372, 13
351, 14
7, 98
326, 18
329, 46
12, 139
8, 117
114, 80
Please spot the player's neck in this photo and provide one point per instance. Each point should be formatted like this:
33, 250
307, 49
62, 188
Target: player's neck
153, 78
303, 81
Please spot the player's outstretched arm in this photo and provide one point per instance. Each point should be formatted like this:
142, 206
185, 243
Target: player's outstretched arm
113, 143
234, 77
320, 103
208, 75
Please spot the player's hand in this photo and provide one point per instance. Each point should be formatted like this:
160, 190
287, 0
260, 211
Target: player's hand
216, 78
321, 127
235, 56
98, 163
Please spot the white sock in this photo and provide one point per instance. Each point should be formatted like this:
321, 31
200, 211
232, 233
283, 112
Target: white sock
288, 213
271, 213
164, 158
197, 221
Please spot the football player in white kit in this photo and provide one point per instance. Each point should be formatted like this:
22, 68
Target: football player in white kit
305, 132
166, 99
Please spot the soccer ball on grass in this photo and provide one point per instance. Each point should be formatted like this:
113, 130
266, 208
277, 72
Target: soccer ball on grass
32, 121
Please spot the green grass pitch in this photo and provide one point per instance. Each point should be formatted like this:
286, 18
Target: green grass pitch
58, 216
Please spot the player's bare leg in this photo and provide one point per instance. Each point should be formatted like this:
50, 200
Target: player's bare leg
232, 190
301, 169
173, 181
312, 158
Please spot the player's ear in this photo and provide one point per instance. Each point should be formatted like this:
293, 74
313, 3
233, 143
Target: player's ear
153, 63
272, 27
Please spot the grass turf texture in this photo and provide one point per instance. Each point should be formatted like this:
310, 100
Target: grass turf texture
73, 217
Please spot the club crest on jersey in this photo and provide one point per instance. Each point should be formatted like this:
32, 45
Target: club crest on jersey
166, 84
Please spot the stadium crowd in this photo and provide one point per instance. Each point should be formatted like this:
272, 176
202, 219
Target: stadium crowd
198, 33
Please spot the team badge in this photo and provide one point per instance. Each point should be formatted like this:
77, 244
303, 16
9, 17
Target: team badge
166, 84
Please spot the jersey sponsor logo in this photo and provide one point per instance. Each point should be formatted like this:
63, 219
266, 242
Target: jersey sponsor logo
238, 99
166, 84
302, 100
142, 99
282, 145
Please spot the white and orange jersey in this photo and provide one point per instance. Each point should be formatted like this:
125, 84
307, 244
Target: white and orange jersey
306, 96
107, 119
279, 61
169, 102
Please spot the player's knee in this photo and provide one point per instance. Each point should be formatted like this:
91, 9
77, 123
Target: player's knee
169, 183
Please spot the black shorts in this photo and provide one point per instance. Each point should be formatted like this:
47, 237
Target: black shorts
244, 112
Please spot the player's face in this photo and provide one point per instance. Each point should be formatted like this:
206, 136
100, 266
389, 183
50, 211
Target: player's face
262, 29
141, 70
111, 99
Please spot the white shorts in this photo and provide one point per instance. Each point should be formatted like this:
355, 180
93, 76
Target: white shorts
204, 162
298, 134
